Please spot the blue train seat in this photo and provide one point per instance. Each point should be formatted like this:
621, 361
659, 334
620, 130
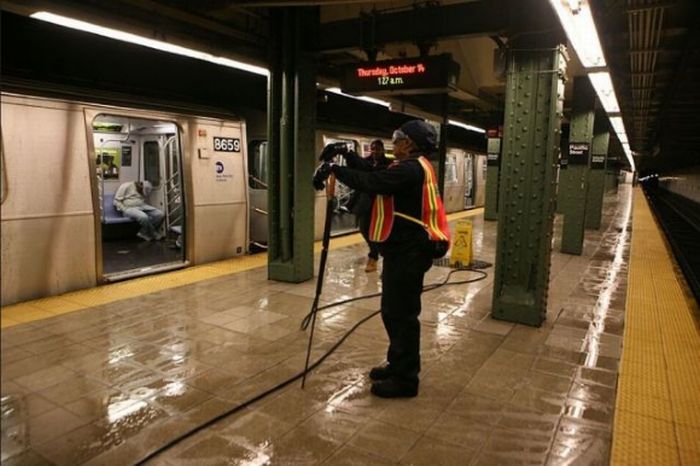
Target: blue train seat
110, 215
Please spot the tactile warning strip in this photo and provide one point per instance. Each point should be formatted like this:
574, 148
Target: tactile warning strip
657, 415
44, 308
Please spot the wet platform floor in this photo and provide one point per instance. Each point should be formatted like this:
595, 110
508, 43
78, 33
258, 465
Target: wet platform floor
110, 384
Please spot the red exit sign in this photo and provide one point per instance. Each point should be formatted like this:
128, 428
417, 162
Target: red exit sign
421, 75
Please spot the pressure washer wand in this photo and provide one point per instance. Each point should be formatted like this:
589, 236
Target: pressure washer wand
330, 197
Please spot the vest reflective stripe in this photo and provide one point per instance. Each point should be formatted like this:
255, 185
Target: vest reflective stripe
433, 209
433, 215
382, 219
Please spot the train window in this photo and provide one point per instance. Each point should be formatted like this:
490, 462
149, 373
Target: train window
151, 162
257, 165
451, 170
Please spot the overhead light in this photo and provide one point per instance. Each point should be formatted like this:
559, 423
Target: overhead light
617, 124
146, 42
372, 100
606, 93
466, 126
576, 19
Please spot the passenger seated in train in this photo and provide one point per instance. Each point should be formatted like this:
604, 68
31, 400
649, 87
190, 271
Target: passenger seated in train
130, 200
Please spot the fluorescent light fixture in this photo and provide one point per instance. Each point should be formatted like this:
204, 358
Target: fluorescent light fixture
619, 127
617, 124
606, 92
476, 129
372, 100
576, 19
146, 42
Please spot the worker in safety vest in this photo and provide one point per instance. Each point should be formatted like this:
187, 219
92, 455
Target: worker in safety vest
407, 214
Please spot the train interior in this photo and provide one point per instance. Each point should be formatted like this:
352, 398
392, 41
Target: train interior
128, 150
257, 193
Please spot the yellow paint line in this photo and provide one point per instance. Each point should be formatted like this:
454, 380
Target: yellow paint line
76, 300
657, 415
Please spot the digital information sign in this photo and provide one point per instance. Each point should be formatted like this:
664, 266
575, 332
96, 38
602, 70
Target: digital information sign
420, 75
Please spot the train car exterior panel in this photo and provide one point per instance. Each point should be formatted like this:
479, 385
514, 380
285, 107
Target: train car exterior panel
46, 256
480, 179
48, 237
453, 198
219, 189
219, 232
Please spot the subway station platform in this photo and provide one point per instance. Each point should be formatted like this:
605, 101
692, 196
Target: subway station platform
109, 375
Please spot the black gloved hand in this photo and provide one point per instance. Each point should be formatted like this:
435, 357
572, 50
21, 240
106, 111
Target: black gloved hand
321, 175
331, 150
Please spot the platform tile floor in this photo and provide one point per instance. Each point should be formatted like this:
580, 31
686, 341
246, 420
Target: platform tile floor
109, 384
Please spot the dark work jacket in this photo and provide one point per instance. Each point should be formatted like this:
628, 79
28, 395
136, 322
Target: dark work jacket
361, 203
403, 180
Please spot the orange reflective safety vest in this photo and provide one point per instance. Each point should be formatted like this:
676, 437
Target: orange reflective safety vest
433, 217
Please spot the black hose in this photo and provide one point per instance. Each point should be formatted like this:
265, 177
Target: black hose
318, 362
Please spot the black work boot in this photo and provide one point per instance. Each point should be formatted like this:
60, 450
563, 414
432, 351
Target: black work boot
380, 373
394, 388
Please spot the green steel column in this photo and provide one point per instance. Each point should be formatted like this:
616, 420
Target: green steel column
534, 102
563, 160
291, 128
610, 173
596, 176
493, 162
573, 182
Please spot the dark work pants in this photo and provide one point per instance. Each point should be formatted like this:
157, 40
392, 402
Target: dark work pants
402, 285
364, 221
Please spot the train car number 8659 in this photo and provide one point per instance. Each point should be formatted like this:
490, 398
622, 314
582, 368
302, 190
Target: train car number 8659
227, 144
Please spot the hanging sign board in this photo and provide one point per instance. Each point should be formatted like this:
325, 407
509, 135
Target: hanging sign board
493, 151
598, 161
420, 75
578, 153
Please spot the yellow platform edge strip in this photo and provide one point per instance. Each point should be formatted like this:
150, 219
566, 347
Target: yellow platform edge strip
657, 409
44, 308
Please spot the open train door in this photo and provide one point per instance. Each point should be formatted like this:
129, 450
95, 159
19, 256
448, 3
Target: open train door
138, 157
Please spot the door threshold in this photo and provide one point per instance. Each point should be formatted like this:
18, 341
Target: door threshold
143, 271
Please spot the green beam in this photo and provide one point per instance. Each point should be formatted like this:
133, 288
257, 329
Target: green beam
596, 176
493, 162
534, 102
291, 142
573, 181
436, 22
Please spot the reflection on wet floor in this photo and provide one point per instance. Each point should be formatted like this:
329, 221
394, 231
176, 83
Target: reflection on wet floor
109, 384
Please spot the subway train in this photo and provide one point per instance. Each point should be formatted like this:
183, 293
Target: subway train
464, 184
63, 160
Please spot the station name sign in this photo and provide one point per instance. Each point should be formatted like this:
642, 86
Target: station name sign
420, 75
578, 153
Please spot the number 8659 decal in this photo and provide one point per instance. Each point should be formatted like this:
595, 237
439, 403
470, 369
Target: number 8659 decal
227, 144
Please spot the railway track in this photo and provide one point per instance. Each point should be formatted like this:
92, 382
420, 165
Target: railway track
680, 219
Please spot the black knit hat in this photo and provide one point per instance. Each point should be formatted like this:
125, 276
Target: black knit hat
421, 133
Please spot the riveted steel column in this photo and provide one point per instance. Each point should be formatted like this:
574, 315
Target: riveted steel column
291, 127
493, 162
534, 101
596, 176
573, 181
611, 173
